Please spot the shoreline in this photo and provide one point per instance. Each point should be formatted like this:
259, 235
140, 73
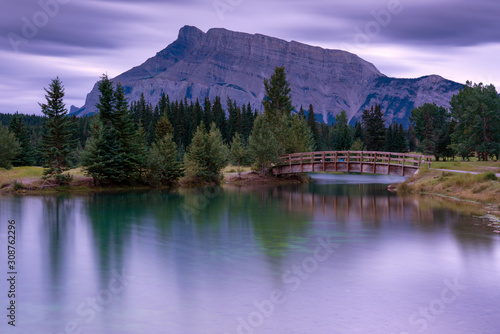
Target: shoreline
427, 182
475, 189
84, 185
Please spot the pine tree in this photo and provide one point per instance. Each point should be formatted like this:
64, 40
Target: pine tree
302, 113
389, 139
234, 119
358, 145
196, 118
374, 128
25, 157
206, 156
141, 153
163, 127
163, 166
262, 145
247, 122
400, 140
115, 155
311, 122
207, 112
238, 152
92, 155
57, 142
341, 134
412, 139
218, 153
277, 99
431, 124
476, 111
131, 149
9, 146
219, 118
358, 132
277, 113
164, 105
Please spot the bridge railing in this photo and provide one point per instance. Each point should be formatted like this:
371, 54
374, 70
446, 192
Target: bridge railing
385, 158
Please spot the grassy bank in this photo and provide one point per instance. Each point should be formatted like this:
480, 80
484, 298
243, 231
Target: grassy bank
470, 166
22, 180
483, 188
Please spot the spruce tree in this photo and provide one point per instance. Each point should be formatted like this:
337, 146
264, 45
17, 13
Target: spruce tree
389, 139
57, 140
206, 156
116, 153
476, 111
431, 124
219, 118
302, 113
300, 135
311, 122
374, 128
358, 132
164, 105
247, 122
163, 127
92, 155
207, 112
25, 157
163, 166
238, 152
263, 147
9, 146
277, 99
341, 133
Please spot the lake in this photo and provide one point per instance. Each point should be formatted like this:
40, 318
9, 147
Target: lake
338, 255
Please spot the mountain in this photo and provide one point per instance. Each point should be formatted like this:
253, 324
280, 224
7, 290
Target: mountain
227, 63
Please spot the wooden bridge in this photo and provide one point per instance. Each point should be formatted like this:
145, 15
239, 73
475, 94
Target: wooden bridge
387, 163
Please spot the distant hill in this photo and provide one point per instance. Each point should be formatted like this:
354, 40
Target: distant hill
227, 63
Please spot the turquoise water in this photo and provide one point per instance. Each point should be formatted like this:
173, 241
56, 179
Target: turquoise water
339, 255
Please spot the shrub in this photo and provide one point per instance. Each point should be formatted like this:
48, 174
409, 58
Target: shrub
488, 176
17, 185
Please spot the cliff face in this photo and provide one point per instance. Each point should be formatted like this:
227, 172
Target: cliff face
227, 63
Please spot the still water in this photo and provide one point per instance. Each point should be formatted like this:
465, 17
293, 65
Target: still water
338, 255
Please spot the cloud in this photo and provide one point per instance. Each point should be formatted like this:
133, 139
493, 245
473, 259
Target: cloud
81, 39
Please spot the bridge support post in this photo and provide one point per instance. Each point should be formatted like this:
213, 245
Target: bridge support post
389, 165
403, 169
374, 162
361, 163
348, 161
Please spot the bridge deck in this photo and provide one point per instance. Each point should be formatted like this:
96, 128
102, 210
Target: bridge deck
388, 163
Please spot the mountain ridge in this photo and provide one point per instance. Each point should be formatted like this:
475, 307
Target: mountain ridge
227, 63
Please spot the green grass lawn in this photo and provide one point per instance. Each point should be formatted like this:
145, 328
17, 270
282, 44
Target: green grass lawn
234, 169
472, 165
19, 173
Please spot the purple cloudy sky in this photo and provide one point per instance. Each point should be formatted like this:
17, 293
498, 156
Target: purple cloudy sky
79, 40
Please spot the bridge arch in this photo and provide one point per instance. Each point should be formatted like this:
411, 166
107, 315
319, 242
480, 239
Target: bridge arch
387, 163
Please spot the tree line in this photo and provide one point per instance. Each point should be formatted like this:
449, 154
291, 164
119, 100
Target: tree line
140, 143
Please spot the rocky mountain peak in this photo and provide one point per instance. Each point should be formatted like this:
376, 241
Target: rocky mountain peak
225, 63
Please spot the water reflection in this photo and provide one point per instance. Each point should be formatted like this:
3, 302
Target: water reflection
200, 259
